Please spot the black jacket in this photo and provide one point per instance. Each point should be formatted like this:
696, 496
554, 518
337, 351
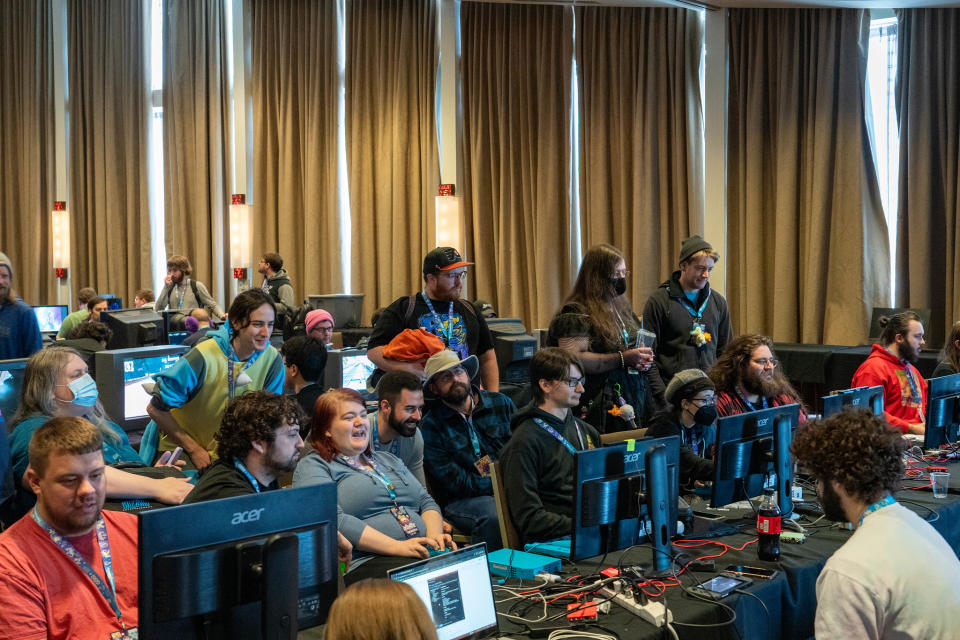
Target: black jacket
537, 473
667, 314
693, 466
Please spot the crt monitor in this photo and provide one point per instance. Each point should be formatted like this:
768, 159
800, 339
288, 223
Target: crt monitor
348, 368
50, 317
120, 377
134, 327
257, 566
870, 398
11, 381
943, 412
753, 449
514, 348
619, 486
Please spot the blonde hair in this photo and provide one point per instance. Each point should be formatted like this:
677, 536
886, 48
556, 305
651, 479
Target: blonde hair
704, 253
390, 611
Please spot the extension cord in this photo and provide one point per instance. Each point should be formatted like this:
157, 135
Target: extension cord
653, 612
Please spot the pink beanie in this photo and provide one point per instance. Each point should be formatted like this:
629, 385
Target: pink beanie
317, 316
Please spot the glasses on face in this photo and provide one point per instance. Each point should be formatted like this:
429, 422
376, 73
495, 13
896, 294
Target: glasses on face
458, 276
763, 362
574, 382
450, 374
621, 273
701, 402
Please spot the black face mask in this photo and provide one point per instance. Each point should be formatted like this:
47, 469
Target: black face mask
619, 286
705, 415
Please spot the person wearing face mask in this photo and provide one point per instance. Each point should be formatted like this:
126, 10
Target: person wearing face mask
691, 415
56, 383
597, 325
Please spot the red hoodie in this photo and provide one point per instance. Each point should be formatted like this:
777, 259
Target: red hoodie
901, 406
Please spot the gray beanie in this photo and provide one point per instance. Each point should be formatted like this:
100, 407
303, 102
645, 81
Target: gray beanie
687, 384
5, 261
692, 245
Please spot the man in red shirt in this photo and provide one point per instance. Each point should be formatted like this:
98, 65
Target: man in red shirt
893, 367
68, 570
747, 378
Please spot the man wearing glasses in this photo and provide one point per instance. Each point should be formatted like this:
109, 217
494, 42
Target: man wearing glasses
463, 434
439, 310
537, 464
747, 378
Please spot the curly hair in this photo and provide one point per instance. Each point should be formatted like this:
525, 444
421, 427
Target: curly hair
251, 416
594, 291
179, 263
92, 329
854, 447
325, 411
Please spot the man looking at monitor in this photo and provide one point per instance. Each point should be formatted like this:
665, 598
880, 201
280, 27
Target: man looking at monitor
464, 432
95, 306
895, 577
181, 293
893, 367
537, 464
393, 428
72, 320
190, 397
19, 330
439, 310
143, 298
305, 359
747, 378
68, 569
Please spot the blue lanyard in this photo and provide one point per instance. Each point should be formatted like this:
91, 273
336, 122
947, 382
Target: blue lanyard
231, 359
445, 333
109, 594
876, 506
477, 451
697, 314
543, 425
377, 445
909, 373
243, 469
376, 473
750, 404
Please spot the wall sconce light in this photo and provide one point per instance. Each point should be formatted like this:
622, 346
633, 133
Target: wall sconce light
239, 235
60, 235
449, 223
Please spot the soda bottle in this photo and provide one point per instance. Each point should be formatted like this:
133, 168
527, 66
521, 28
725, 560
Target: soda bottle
768, 528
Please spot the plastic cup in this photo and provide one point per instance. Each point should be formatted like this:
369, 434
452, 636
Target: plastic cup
940, 480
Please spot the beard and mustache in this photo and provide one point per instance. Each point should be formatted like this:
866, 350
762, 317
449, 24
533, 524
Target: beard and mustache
405, 428
765, 385
457, 394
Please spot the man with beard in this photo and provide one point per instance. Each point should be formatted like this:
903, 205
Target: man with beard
182, 293
68, 570
869, 588
463, 433
893, 367
537, 464
747, 378
394, 427
19, 331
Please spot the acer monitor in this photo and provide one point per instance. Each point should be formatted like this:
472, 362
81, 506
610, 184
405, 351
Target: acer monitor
624, 493
121, 374
258, 566
752, 452
860, 397
942, 412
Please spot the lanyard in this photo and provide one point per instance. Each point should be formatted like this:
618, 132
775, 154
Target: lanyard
543, 425
376, 473
697, 314
750, 404
183, 292
377, 445
876, 506
243, 469
231, 382
914, 389
477, 451
623, 329
445, 333
109, 594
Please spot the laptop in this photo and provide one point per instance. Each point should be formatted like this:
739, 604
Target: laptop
456, 589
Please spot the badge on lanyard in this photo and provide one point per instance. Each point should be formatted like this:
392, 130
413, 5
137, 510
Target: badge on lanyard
126, 634
409, 527
483, 465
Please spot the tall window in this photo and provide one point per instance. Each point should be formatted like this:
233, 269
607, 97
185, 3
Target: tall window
158, 252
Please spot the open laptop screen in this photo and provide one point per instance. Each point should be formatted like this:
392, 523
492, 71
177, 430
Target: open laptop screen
456, 589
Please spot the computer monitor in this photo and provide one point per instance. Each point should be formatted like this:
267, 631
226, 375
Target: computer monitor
861, 397
50, 317
120, 375
257, 566
348, 368
752, 451
619, 486
345, 308
134, 327
11, 381
514, 348
942, 412
114, 302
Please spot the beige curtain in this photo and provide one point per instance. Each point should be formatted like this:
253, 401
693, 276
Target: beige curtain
294, 87
391, 136
806, 237
641, 135
27, 145
196, 138
108, 145
928, 104
516, 63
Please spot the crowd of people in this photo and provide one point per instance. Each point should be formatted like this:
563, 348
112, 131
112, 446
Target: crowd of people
418, 468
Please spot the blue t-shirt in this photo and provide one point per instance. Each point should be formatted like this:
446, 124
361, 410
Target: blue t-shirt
19, 331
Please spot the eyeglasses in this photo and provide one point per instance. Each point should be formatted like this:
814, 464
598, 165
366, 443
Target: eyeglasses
622, 273
460, 275
704, 401
763, 362
450, 373
574, 382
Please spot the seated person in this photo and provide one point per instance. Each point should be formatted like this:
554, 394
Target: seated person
747, 378
143, 298
385, 510
56, 384
305, 359
537, 463
88, 338
48, 556
893, 366
949, 363
691, 415
463, 433
95, 306
198, 324
406, 617
319, 325
895, 577
71, 321
394, 426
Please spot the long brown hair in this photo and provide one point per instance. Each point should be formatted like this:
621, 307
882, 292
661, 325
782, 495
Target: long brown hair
951, 352
735, 357
325, 411
379, 609
594, 291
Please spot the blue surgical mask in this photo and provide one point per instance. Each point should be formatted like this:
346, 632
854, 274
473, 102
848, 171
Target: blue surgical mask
84, 390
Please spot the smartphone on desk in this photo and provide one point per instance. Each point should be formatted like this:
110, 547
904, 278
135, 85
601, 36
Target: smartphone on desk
739, 570
720, 587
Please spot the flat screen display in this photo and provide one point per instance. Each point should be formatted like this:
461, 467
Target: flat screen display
11, 379
136, 371
51, 317
356, 370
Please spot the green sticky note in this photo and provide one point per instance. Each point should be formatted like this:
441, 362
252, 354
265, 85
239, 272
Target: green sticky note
631, 444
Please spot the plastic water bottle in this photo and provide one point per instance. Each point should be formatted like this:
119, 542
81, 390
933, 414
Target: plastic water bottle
768, 528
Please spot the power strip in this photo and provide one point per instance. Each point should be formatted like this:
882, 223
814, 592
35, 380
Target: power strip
653, 612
